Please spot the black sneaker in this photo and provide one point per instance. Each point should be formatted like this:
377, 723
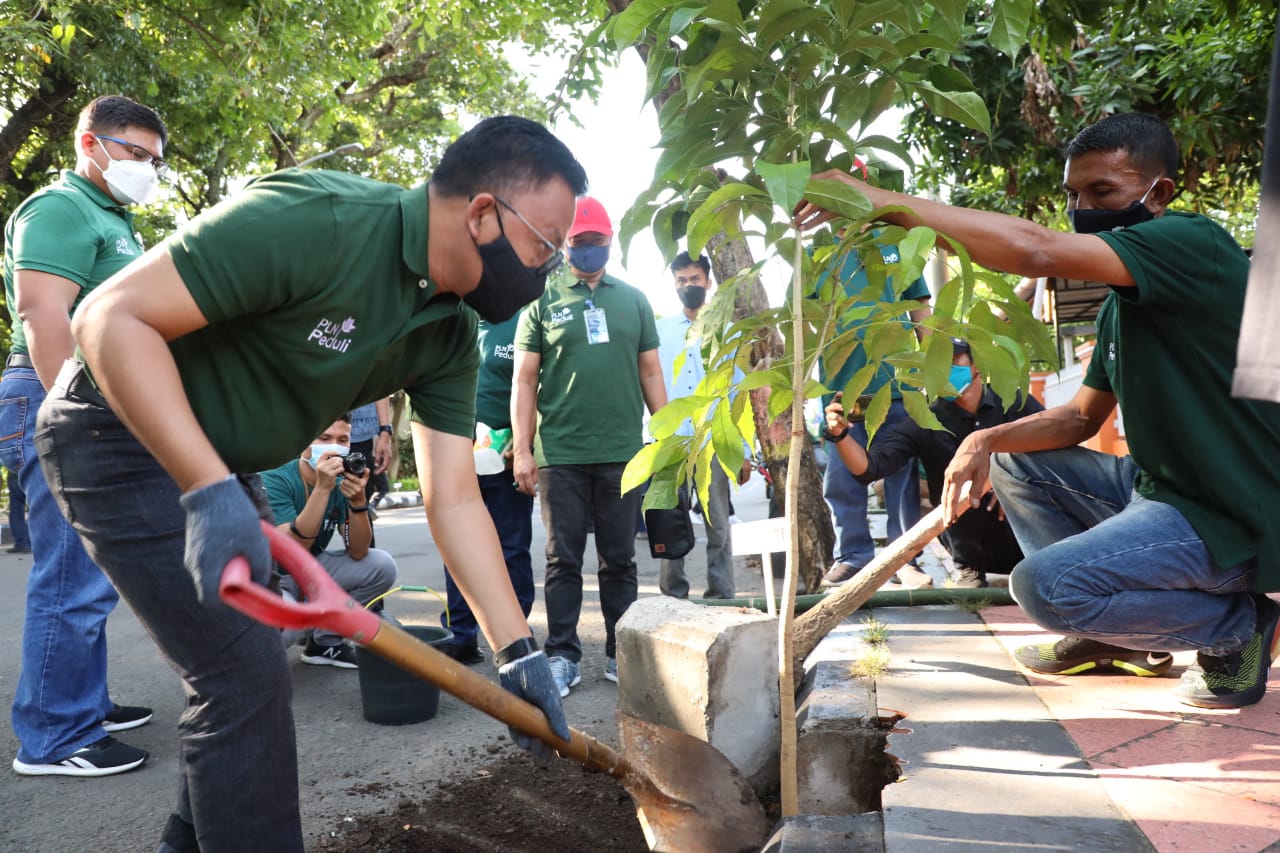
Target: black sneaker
101, 758
1237, 679
468, 654
1075, 655
342, 655
123, 717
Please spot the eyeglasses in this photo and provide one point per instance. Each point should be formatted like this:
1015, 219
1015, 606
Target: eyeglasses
140, 154
557, 257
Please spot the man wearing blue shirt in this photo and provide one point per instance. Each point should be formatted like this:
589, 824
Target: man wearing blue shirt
692, 280
846, 496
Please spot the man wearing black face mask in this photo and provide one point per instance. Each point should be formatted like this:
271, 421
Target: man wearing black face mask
305, 294
586, 361
1172, 547
691, 281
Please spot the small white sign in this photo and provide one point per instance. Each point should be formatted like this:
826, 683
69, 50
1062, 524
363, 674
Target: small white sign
760, 537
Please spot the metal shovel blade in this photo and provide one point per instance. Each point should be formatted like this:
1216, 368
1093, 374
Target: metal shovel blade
689, 797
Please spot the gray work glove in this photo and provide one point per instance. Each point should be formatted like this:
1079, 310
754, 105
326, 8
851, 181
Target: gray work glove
530, 678
222, 523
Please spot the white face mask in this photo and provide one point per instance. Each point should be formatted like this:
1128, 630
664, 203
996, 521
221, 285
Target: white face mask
319, 450
130, 182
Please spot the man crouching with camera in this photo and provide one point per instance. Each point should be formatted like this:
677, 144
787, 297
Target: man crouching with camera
313, 496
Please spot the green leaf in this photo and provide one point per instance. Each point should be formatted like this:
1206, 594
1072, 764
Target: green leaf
630, 24
668, 419
937, 363
965, 107
782, 18
1010, 23
838, 197
913, 253
780, 401
918, 408
786, 182
878, 409
726, 440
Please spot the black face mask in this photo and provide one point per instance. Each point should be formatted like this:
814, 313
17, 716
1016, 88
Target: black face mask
692, 296
1098, 219
506, 284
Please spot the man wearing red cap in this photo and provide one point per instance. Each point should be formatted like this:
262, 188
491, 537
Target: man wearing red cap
586, 364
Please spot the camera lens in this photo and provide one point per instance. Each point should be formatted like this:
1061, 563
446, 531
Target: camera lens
354, 464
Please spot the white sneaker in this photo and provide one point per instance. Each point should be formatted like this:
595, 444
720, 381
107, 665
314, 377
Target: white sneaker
913, 578
611, 669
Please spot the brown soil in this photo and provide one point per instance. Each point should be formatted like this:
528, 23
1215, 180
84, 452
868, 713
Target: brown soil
515, 805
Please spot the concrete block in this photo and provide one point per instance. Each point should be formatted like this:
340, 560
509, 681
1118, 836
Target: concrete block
851, 833
710, 672
841, 765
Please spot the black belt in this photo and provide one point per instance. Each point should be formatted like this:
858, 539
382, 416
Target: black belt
75, 380
18, 359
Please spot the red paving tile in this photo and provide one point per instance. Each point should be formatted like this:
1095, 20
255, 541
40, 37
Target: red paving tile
1194, 780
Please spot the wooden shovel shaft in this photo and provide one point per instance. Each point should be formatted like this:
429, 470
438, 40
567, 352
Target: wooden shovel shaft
812, 626
408, 652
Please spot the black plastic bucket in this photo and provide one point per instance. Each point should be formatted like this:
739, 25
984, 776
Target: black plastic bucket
390, 696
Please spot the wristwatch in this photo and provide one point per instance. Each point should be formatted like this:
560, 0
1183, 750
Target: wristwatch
385, 428
835, 437
515, 651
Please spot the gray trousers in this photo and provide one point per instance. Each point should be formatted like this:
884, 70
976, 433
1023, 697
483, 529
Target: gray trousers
364, 580
671, 577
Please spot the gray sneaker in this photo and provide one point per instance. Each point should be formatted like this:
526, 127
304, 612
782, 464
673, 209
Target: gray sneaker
565, 672
611, 669
966, 577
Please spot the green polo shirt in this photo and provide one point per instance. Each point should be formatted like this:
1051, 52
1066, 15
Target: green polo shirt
1167, 348
497, 365
590, 409
69, 229
288, 496
315, 287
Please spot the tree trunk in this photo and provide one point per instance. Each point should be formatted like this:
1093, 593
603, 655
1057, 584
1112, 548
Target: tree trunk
817, 536
51, 95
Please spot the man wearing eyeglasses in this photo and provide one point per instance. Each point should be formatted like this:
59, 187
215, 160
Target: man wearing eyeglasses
60, 244
239, 340
586, 362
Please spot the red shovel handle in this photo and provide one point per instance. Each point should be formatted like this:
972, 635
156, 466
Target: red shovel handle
327, 605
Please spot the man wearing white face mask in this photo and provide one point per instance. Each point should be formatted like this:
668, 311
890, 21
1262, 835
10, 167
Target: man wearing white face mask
60, 244
314, 496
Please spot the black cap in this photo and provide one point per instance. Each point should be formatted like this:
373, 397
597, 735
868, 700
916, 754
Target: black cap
959, 347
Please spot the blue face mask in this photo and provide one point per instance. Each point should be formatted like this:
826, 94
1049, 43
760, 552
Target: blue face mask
319, 450
961, 377
588, 259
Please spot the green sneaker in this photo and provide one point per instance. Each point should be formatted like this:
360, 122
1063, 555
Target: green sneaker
1240, 678
1076, 655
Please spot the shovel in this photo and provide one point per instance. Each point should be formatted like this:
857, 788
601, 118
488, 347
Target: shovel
688, 796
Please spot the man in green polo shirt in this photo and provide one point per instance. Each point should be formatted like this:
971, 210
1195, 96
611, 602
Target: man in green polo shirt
1172, 547
238, 341
60, 244
586, 364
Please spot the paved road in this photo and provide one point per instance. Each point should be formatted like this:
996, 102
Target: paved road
347, 765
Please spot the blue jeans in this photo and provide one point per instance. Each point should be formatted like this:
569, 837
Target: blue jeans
571, 495
237, 759
18, 513
848, 499
512, 514
1104, 562
61, 695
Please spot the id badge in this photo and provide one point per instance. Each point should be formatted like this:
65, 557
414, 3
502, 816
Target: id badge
597, 327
